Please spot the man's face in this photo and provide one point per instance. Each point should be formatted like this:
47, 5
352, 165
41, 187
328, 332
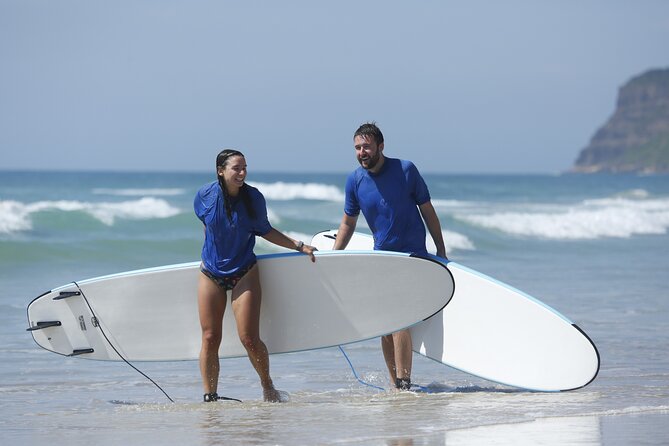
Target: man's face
367, 151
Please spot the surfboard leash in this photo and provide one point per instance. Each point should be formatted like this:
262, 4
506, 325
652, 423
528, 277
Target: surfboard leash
419, 387
114, 348
356, 374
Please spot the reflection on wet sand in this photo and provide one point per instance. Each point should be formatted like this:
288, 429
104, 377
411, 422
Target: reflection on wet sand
545, 431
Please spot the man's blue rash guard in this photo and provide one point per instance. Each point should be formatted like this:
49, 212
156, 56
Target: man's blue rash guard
228, 245
388, 201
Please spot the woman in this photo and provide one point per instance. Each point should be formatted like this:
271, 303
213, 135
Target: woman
233, 214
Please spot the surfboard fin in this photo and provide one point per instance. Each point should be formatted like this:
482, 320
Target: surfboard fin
81, 351
66, 294
44, 324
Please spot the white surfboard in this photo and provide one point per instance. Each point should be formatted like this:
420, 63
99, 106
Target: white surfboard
152, 314
497, 332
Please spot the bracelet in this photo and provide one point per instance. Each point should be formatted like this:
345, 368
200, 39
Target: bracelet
300, 244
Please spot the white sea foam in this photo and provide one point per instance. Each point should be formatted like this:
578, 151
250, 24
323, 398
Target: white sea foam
156, 192
592, 219
635, 194
299, 191
452, 240
142, 209
13, 217
633, 410
16, 216
454, 204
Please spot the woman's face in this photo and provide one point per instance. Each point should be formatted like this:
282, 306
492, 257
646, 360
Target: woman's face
233, 173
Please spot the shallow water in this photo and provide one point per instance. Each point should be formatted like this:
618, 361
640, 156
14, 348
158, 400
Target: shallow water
576, 243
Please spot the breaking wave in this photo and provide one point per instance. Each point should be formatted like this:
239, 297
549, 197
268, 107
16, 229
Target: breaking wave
16, 216
622, 216
299, 191
155, 192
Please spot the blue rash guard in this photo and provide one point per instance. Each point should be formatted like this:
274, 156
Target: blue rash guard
389, 201
228, 245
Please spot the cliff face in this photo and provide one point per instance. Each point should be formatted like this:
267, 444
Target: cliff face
636, 137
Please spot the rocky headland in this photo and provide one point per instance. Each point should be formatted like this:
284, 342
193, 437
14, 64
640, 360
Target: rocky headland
636, 137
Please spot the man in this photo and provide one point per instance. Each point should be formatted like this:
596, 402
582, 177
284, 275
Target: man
390, 193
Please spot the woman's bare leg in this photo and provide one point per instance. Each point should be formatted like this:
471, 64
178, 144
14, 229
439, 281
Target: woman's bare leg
246, 300
211, 305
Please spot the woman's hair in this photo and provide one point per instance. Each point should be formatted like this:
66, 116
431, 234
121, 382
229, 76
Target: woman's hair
221, 161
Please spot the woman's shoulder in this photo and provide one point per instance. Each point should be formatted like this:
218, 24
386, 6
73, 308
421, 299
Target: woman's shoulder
206, 198
253, 192
208, 190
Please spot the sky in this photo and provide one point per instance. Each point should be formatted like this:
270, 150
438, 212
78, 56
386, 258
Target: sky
465, 86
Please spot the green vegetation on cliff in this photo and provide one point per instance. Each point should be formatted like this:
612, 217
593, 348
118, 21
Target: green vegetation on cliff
636, 137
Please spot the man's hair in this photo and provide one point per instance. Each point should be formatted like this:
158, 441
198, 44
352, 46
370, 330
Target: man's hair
370, 129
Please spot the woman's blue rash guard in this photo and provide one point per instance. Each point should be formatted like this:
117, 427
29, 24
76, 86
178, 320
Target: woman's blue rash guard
388, 201
228, 245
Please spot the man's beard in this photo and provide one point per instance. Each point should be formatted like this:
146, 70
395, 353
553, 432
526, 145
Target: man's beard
371, 161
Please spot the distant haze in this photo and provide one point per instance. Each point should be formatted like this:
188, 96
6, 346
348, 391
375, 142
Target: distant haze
456, 86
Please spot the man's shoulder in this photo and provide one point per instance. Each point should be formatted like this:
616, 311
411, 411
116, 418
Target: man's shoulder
400, 166
357, 174
406, 164
397, 162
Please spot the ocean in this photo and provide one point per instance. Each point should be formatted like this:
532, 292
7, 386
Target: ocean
594, 247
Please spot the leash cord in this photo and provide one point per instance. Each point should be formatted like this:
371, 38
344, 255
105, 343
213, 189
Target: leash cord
356, 375
420, 388
117, 352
